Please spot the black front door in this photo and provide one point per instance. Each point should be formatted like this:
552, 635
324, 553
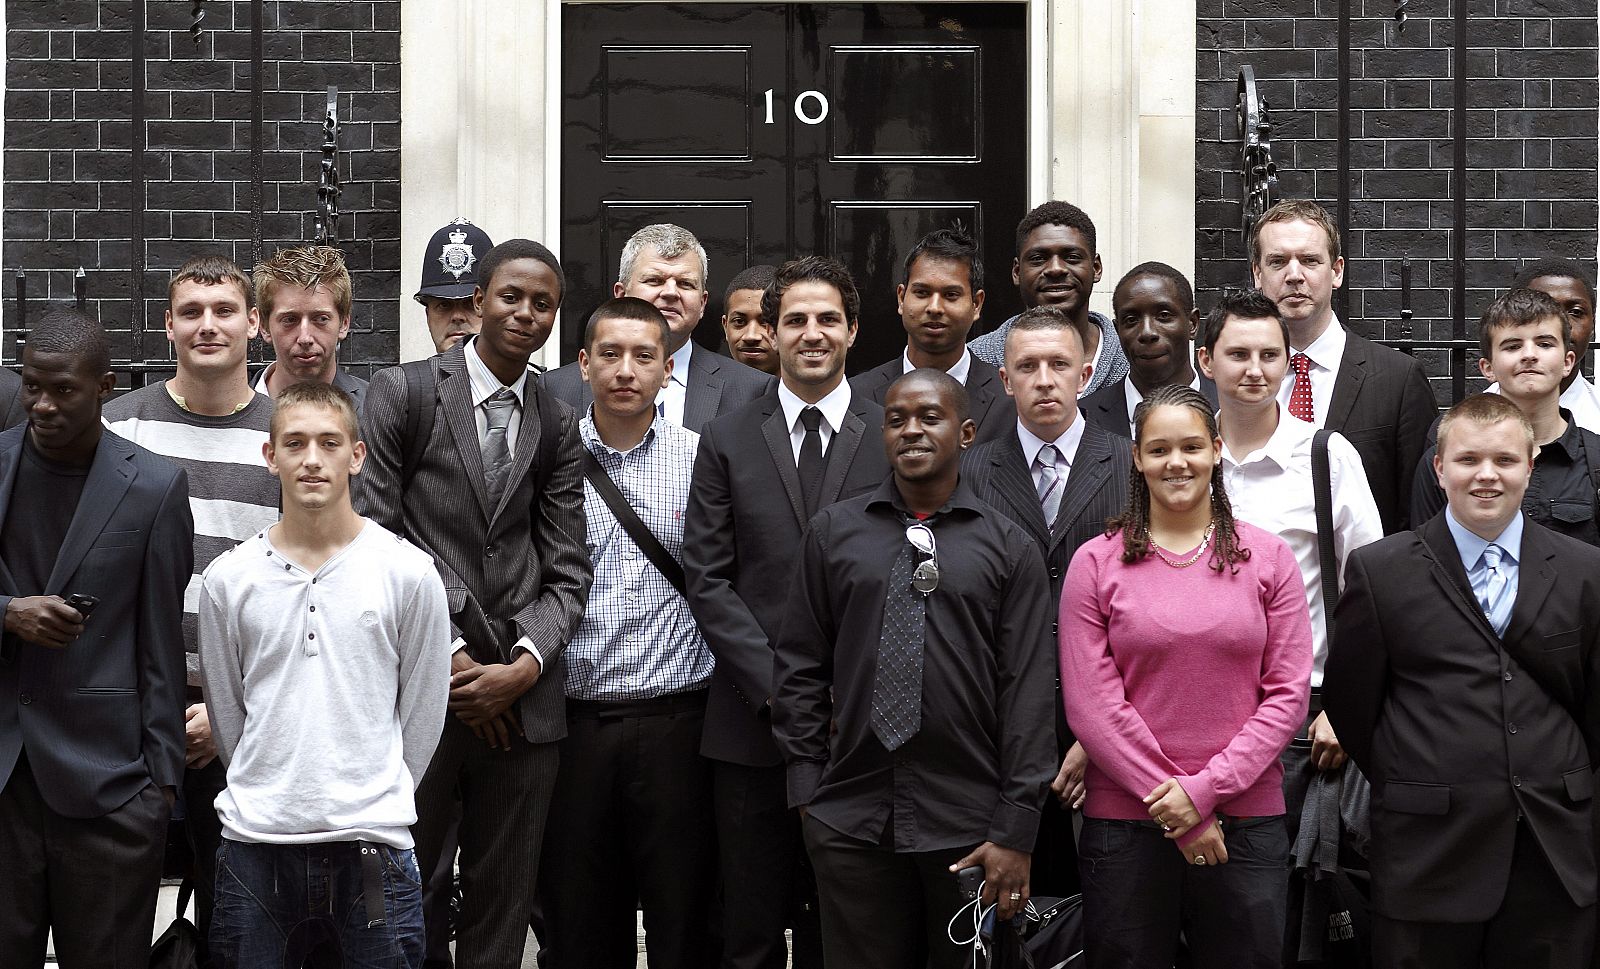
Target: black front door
777, 130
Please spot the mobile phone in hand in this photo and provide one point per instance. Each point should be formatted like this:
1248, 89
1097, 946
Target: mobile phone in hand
84, 604
969, 881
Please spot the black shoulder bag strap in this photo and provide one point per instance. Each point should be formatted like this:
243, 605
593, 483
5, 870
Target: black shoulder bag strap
1322, 489
422, 401
631, 523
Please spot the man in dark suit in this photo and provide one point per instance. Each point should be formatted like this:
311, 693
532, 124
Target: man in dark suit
91, 695
760, 474
1464, 679
940, 300
665, 264
1060, 478
12, 411
1376, 397
1153, 311
496, 496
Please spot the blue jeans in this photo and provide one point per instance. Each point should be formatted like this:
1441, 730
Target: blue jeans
278, 904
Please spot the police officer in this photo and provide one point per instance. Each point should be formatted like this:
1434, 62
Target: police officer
449, 274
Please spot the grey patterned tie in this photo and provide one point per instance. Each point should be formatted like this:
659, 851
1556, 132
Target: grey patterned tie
1050, 482
897, 685
496, 453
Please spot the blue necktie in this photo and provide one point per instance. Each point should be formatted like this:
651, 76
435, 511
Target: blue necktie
1493, 585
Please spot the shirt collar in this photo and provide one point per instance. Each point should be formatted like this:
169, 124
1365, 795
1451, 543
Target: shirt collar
1067, 443
833, 407
594, 442
680, 364
1470, 547
1289, 436
1131, 393
889, 493
484, 382
960, 371
1328, 349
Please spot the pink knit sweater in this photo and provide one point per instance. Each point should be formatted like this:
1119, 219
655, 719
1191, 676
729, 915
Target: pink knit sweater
1185, 673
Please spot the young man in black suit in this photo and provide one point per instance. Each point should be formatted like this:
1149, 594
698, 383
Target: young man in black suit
91, 701
1060, 478
760, 474
1464, 680
940, 300
1376, 397
665, 264
12, 412
1153, 311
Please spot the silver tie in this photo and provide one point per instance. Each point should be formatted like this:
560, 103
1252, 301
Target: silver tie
1050, 483
496, 454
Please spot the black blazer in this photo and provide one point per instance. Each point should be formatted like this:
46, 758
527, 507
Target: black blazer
993, 410
1096, 489
1460, 730
1107, 407
104, 717
1383, 405
12, 412
716, 385
741, 545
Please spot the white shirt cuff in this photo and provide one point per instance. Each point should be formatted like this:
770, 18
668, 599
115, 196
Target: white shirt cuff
523, 643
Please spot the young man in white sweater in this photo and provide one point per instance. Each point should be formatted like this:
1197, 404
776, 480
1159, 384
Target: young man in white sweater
325, 654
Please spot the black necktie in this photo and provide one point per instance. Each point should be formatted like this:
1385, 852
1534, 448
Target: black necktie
897, 685
810, 464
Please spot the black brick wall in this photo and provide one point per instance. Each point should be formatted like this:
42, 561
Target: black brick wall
68, 194
1532, 97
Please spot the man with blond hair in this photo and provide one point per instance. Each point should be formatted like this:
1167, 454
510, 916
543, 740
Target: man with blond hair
304, 298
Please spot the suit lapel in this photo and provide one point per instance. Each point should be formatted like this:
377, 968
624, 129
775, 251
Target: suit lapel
10, 457
776, 433
109, 477
1208, 388
1450, 575
1015, 484
983, 387
1347, 385
1536, 577
529, 430
842, 453
1091, 468
455, 399
702, 389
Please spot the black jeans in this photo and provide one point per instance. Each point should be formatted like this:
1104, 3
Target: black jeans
1140, 892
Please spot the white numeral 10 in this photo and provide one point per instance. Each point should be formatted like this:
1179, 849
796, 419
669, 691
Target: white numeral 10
800, 112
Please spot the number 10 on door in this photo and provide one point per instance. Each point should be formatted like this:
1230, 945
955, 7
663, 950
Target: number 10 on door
810, 107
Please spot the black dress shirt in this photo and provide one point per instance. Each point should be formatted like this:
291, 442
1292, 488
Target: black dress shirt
978, 768
1561, 493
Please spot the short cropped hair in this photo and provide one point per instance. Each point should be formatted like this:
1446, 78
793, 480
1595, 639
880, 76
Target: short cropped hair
1296, 210
210, 270
1484, 410
625, 308
72, 333
669, 241
1520, 307
1556, 269
1057, 213
1037, 319
512, 249
951, 244
753, 277
946, 385
1242, 304
809, 269
315, 393
1179, 281
306, 267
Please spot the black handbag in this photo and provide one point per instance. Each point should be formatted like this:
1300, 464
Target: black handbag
179, 946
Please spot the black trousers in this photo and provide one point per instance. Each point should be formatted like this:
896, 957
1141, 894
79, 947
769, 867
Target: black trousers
92, 880
883, 910
631, 822
437, 887
1140, 892
1055, 853
203, 829
1537, 927
767, 885
504, 799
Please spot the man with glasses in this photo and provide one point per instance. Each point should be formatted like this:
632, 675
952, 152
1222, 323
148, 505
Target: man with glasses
913, 668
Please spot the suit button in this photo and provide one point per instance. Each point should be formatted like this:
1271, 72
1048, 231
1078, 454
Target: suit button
1055, 573
1508, 676
25, 699
488, 551
1511, 728
1516, 781
1055, 628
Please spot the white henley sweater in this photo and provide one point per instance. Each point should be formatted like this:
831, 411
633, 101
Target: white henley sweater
326, 690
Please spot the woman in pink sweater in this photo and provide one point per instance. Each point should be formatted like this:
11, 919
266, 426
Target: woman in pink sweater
1185, 654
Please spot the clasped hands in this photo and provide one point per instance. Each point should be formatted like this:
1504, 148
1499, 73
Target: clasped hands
1172, 808
482, 694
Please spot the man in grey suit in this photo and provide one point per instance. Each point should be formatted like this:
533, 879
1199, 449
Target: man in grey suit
12, 412
1060, 478
91, 694
487, 478
665, 265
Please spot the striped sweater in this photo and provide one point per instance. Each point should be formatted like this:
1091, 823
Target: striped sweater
232, 495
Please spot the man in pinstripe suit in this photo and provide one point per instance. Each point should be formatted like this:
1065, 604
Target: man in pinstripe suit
496, 497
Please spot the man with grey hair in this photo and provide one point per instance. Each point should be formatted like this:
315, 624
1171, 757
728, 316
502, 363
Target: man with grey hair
665, 265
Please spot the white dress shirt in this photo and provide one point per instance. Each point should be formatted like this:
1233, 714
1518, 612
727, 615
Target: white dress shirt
1066, 444
1272, 489
670, 400
833, 407
1134, 398
1325, 353
960, 371
1581, 400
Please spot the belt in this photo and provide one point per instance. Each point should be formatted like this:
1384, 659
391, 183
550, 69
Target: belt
691, 701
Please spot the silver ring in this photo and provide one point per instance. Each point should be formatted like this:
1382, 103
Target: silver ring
1016, 896
1199, 859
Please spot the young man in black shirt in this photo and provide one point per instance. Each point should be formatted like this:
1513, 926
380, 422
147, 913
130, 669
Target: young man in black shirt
918, 626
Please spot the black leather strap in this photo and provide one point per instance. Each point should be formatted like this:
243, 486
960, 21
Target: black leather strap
631, 523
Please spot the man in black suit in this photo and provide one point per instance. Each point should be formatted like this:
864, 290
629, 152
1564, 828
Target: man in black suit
760, 474
940, 300
12, 411
1464, 679
1376, 397
665, 264
1055, 464
1153, 311
91, 702
496, 497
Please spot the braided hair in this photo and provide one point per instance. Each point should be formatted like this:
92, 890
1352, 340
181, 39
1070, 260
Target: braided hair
1134, 522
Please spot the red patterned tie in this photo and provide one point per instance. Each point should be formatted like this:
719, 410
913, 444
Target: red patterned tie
1300, 402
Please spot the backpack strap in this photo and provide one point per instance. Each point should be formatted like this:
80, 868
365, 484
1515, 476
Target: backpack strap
422, 403
1322, 489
